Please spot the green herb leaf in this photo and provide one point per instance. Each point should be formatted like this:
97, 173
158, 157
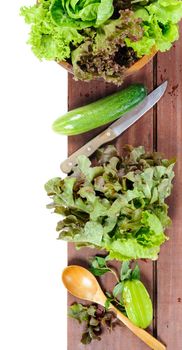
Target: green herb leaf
86, 338
95, 319
91, 310
135, 273
118, 289
99, 272
79, 312
125, 270
107, 304
93, 322
98, 266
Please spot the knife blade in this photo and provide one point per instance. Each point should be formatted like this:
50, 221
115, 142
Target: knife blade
116, 128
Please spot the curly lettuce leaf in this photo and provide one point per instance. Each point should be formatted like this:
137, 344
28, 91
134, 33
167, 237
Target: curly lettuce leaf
49, 41
84, 165
104, 55
95, 320
151, 233
144, 243
90, 234
81, 14
105, 11
101, 39
63, 17
131, 249
166, 11
160, 24
118, 206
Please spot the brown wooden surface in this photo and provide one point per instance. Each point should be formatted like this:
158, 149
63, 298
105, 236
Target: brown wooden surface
169, 141
159, 129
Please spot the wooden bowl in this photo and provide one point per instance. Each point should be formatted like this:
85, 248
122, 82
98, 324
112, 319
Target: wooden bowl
133, 69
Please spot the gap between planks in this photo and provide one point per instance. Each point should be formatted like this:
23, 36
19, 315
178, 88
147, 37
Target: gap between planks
155, 287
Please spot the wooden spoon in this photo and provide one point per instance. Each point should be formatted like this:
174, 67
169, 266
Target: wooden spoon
82, 284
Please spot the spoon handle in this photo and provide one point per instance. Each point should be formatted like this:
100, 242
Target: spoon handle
147, 338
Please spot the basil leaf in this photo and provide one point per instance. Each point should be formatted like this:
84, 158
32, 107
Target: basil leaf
107, 304
125, 272
136, 273
98, 266
118, 289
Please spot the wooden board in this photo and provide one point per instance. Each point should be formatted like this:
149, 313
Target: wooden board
169, 141
160, 129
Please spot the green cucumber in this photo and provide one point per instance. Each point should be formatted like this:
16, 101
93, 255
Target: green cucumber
101, 112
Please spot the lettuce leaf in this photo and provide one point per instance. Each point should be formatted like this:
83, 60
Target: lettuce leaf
47, 40
118, 206
57, 27
104, 54
160, 24
101, 38
90, 234
166, 11
144, 243
105, 11
131, 249
81, 14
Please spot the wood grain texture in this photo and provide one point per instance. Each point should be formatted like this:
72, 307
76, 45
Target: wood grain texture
141, 133
161, 129
169, 141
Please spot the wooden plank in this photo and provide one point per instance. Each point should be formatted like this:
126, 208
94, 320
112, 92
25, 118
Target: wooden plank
169, 141
141, 133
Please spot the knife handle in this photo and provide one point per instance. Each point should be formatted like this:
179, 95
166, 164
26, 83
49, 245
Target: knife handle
89, 148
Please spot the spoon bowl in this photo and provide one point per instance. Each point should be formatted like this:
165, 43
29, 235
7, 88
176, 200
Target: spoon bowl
82, 284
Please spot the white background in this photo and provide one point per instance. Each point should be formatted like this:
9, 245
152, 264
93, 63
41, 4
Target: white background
33, 94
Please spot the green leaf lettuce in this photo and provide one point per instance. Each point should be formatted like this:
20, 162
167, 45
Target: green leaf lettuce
160, 24
104, 54
47, 40
81, 13
118, 205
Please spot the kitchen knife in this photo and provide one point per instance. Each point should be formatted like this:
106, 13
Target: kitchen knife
116, 128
